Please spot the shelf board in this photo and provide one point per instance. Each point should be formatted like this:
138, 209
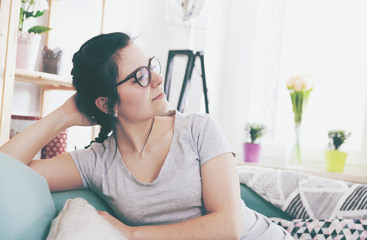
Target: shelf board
44, 79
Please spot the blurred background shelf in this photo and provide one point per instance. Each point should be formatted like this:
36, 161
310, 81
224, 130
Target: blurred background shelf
44, 79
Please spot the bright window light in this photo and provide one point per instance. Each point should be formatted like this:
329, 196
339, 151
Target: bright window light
327, 39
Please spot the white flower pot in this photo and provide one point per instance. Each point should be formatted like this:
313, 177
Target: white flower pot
28, 49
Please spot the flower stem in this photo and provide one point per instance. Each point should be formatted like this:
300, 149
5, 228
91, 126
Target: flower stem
295, 158
298, 147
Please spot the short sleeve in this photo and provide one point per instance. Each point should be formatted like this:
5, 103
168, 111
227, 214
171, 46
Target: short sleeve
85, 161
211, 141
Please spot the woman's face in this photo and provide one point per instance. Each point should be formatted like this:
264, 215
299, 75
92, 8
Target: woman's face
138, 103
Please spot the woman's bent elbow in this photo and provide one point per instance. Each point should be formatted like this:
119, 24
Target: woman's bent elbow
234, 228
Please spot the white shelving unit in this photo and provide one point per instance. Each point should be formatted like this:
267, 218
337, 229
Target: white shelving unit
9, 21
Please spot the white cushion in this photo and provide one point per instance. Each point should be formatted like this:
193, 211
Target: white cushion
78, 220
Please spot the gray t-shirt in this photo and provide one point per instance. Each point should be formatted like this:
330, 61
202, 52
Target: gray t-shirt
176, 194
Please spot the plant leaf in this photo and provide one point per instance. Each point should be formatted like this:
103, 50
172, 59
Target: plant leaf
255, 131
39, 13
21, 19
35, 15
337, 138
39, 29
28, 14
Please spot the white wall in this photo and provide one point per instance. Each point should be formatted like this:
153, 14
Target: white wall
237, 63
147, 20
26, 99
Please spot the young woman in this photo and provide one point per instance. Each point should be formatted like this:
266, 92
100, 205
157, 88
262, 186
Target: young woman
164, 174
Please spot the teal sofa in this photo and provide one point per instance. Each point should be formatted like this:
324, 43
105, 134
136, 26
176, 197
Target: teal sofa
27, 207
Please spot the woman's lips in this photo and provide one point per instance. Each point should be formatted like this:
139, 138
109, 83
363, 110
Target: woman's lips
158, 97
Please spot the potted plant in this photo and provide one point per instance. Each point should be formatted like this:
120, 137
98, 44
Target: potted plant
29, 40
51, 60
252, 148
335, 159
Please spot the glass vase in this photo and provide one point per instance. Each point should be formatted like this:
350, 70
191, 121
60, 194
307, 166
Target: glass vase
295, 157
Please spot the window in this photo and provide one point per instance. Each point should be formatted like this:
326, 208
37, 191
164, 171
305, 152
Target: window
327, 39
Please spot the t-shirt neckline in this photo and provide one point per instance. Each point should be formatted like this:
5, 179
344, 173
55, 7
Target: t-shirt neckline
162, 171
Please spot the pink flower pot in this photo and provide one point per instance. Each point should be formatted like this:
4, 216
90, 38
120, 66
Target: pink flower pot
252, 152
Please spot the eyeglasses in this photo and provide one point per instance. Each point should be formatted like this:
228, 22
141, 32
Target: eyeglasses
142, 75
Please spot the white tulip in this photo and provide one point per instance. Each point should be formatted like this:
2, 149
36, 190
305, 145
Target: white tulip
290, 83
298, 82
298, 85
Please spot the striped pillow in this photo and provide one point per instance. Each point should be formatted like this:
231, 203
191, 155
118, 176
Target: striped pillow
305, 196
328, 202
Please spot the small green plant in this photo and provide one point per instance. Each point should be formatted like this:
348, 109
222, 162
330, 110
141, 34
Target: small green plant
33, 8
254, 132
337, 138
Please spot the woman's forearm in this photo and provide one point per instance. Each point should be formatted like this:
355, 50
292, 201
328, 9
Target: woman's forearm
25, 145
211, 226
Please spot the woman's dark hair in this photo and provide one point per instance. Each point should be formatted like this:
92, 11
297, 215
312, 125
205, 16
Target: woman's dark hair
95, 71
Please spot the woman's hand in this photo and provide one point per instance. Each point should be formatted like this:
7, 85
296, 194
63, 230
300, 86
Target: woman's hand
123, 228
75, 117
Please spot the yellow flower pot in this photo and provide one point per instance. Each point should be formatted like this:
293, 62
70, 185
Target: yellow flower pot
335, 160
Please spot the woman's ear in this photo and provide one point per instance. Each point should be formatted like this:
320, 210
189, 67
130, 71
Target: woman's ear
102, 104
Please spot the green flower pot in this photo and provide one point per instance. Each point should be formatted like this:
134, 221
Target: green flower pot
335, 160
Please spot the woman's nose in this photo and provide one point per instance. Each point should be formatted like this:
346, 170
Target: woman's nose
156, 79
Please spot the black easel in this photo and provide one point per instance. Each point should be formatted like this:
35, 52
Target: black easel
188, 73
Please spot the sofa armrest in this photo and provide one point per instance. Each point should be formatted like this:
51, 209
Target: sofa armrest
26, 205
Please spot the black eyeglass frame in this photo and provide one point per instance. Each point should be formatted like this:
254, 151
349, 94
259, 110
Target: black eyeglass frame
133, 74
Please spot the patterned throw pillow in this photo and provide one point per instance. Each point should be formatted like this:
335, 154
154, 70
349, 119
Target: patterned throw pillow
342, 229
305, 196
56, 146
